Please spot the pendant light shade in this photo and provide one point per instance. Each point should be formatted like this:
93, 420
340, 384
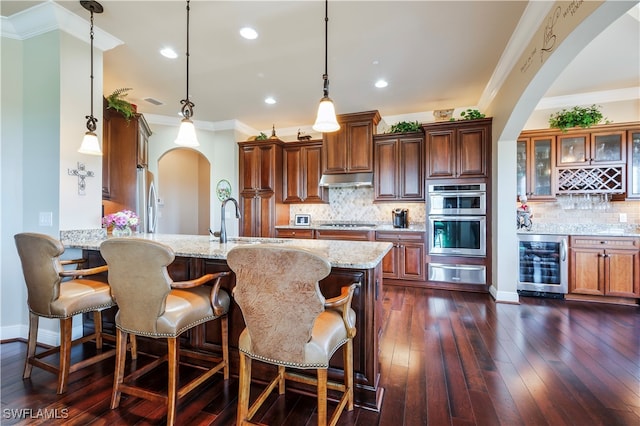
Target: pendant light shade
90, 144
326, 120
187, 132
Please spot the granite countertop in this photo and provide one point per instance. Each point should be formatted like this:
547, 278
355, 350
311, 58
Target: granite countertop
341, 254
599, 229
358, 226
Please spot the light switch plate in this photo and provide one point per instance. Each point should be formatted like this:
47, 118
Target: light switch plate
46, 219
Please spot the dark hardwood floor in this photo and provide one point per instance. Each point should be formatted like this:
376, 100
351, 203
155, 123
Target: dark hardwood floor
447, 358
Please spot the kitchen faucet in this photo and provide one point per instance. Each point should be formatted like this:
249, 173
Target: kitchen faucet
223, 229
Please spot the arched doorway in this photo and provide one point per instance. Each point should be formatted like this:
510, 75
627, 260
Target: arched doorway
184, 189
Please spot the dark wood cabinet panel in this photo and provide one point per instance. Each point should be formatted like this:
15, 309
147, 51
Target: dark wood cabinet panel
458, 149
536, 167
302, 170
295, 233
350, 149
349, 235
399, 167
124, 149
406, 260
261, 188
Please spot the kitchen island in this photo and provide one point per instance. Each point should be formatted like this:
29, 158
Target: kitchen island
351, 261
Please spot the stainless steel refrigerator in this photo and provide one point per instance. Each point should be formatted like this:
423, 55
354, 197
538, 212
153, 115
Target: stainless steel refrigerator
146, 202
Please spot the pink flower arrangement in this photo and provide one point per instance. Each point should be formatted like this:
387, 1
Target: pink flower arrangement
120, 220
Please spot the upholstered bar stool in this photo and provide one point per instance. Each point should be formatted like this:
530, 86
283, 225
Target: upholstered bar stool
290, 324
50, 296
151, 304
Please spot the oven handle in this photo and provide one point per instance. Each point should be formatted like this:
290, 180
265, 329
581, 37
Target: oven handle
461, 267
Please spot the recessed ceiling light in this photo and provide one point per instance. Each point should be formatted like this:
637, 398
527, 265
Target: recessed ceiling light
249, 33
270, 100
168, 52
381, 83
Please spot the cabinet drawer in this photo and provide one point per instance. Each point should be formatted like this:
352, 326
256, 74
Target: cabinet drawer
343, 235
629, 243
294, 233
400, 236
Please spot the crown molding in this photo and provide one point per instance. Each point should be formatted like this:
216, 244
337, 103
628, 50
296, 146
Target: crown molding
50, 16
605, 96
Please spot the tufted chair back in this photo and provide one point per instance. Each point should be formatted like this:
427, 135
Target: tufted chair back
140, 282
40, 258
277, 291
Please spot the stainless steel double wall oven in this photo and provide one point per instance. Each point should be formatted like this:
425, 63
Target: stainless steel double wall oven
457, 226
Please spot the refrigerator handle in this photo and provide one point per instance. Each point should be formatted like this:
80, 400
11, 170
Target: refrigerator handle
563, 249
152, 208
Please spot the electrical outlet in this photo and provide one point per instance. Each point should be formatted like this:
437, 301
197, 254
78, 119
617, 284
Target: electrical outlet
46, 219
623, 217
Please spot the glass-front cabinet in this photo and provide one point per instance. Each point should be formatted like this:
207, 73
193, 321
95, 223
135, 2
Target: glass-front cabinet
536, 169
633, 165
592, 148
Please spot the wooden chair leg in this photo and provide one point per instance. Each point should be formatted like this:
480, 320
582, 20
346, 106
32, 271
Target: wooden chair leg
244, 389
322, 397
224, 324
134, 346
97, 324
347, 353
66, 325
118, 375
281, 371
31, 345
173, 360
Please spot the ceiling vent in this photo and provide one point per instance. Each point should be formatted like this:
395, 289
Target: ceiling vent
154, 101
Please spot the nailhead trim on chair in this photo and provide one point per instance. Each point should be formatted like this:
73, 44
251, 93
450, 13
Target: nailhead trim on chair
179, 332
95, 308
294, 364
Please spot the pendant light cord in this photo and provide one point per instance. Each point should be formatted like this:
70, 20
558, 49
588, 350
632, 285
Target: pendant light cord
91, 120
187, 105
325, 77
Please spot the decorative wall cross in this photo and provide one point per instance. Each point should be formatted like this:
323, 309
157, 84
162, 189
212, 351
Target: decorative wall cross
82, 174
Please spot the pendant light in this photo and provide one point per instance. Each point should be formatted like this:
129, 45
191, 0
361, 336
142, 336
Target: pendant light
326, 120
187, 131
90, 144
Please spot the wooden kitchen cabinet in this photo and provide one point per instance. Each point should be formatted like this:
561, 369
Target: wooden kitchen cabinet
261, 188
458, 149
302, 170
581, 148
350, 149
341, 234
604, 266
633, 164
399, 167
406, 260
124, 149
295, 233
536, 167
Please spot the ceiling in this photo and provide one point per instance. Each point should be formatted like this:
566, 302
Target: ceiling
434, 55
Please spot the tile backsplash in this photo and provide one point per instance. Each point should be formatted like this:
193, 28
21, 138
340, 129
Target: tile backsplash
356, 204
608, 213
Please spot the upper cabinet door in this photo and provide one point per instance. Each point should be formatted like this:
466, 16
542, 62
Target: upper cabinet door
458, 149
350, 149
471, 151
592, 148
633, 167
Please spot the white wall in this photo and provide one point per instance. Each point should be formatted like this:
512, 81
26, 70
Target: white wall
219, 147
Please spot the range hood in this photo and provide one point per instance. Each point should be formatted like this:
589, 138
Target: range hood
347, 179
